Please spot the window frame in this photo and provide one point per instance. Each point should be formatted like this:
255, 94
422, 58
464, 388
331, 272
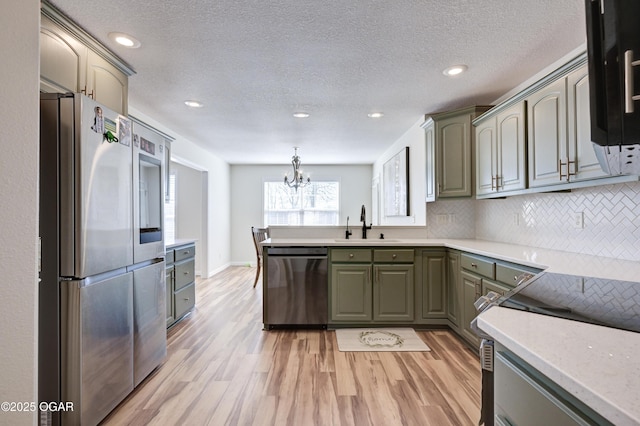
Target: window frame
279, 180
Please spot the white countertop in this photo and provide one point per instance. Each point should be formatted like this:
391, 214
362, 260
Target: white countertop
550, 260
598, 365
169, 244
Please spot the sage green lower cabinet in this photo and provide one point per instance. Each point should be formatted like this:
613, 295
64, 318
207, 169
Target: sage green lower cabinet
525, 397
351, 293
471, 289
433, 295
454, 289
181, 286
169, 294
371, 285
496, 287
393, 293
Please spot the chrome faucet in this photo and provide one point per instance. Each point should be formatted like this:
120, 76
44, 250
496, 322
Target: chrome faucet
347, 232
363, 219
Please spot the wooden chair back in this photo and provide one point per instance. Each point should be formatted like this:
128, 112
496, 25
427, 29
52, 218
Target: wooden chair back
259, 235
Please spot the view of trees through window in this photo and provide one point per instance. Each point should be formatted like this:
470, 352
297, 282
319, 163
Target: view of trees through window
315, 204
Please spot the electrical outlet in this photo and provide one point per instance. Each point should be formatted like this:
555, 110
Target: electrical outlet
516, 219
578, 220
442, 219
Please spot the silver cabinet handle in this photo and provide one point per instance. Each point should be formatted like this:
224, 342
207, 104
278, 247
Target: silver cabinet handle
629, 97
393, 256
474, 265
186, 272
350, 255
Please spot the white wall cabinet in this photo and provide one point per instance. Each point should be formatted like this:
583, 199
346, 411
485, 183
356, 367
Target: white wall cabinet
500, 151
580, 148
560, 148
454, 142
540, 138
71, 61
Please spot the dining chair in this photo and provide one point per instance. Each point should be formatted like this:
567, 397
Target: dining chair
259, 235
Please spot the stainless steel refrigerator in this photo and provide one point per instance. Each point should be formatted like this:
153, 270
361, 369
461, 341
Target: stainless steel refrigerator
101, 316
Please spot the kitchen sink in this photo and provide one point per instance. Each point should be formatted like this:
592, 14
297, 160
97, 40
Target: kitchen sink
367, 241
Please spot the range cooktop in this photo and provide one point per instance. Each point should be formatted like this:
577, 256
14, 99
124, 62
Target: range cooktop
605, 302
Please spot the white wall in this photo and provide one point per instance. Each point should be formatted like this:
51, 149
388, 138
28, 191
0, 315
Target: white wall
246, 199
19, 120
414, 138
217, 226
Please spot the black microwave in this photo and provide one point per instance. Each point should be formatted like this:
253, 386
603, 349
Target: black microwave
613, 49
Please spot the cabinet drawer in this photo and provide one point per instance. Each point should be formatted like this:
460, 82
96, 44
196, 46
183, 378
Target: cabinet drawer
185, 252
510, 274
351, 255
185, 299
393, 256
184, 273
499, 288
169, 257
484, 267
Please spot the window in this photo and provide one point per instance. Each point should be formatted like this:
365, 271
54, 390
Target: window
315, 204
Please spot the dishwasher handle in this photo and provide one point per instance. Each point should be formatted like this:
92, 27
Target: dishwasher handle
297, 251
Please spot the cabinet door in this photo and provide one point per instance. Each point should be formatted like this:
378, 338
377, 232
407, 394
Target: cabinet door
430, 145
434, 285
486, 157
546, 110
62, 59
393, 293
351, 295
455, 158
107, 83
546, 403
471, 289
581, 152
511, 174
169, 296
453, 288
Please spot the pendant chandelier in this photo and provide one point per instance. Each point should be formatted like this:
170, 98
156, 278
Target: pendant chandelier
298, 180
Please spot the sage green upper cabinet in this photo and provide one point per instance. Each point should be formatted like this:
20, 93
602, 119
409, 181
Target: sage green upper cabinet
454, 140
500, 150
73, 61
430, 145
62, 59
547, 133
108, 85
581, 160
560, 148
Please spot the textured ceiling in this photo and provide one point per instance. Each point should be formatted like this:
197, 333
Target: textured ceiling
254, 63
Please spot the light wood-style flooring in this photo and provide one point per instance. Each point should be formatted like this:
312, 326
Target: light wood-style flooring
223, 369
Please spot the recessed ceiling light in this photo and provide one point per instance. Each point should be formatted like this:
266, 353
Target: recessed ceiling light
455, 70
193, 104
375, 114
125, 40
301, 114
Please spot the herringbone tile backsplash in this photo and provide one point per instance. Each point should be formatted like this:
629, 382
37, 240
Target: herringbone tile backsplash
603, 221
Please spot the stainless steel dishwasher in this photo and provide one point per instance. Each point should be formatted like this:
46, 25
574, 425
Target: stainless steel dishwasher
297, 287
